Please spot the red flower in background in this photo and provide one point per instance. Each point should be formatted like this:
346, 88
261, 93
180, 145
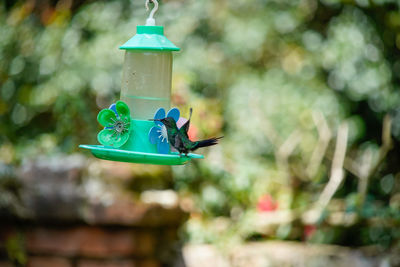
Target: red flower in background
266, 204
309, 230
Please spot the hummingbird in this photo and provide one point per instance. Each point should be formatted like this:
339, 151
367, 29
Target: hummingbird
179, 138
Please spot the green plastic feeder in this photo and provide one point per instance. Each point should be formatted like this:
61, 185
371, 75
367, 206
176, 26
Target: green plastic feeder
146, 87
138, 149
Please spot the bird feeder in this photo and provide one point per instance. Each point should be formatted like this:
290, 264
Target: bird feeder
145, 91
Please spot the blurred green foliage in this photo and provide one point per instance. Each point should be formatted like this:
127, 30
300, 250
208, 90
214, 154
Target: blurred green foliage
15, 247
266, 73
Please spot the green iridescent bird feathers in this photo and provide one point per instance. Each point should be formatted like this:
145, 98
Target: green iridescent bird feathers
179, 139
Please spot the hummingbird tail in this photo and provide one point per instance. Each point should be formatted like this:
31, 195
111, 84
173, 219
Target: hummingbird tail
207, 142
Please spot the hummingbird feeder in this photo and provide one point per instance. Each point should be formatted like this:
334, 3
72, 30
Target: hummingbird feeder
128, 134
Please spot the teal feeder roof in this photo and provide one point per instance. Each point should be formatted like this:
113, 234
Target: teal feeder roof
149, 38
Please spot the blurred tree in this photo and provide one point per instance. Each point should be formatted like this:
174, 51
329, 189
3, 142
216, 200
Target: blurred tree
277, 77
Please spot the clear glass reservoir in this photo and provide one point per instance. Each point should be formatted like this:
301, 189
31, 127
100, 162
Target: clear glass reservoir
146, 82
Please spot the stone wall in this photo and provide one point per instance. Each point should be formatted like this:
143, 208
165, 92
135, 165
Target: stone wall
287, 254
72, 212
84, 245
77, 212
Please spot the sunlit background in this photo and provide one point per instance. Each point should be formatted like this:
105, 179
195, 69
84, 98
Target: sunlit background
305, 93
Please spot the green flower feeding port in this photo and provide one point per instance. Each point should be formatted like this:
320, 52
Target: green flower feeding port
145, 89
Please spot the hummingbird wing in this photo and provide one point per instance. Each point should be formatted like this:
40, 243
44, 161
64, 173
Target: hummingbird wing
178, 143
185, 128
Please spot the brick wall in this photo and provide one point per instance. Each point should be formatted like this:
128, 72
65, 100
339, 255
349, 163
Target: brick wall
62, 221
89, 245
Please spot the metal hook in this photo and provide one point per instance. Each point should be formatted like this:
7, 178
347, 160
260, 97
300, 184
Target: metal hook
150, 20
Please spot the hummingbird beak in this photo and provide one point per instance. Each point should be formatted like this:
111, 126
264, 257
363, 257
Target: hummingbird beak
154, 120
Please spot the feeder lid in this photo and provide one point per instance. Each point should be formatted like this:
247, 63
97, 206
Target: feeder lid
149, 38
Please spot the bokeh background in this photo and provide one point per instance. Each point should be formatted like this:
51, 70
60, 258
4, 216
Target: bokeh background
305, 92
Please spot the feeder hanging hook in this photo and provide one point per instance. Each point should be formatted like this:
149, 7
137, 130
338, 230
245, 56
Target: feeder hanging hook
150, 20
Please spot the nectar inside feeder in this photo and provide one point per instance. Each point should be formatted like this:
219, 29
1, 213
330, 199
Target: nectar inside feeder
145, 91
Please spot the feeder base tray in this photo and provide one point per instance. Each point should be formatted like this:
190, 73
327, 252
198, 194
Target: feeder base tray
109, 153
